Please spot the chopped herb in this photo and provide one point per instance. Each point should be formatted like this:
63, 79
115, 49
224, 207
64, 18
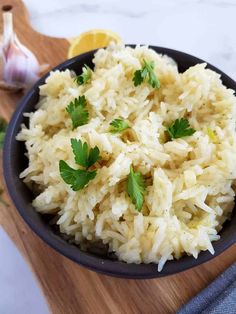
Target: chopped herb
77, 111
147, 71
180, 128
79, 178
85, 77
3, 127
211, 134
118, 125
136, 188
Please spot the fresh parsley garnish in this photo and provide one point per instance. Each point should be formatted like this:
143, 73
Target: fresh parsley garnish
136, 188
146, 72
83, 156
79, 178
180, 128
77, 111
118, 125
3, 127
85, 77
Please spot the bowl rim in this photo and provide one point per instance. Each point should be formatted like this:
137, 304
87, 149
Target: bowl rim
88, 260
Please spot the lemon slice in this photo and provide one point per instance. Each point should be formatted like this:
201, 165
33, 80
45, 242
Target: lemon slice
93, 39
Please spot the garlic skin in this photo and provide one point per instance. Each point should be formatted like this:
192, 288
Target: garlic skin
21, 68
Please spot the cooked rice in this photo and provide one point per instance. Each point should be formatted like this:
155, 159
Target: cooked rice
190, 189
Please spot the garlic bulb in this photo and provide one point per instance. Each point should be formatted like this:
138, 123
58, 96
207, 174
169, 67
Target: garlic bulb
20, 67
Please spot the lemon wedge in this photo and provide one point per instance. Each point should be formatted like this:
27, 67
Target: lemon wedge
93, 39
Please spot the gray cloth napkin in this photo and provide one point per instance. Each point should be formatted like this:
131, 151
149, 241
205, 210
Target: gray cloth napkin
219, 297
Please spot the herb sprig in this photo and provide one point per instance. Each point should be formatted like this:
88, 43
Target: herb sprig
78, 112
180, 128
146, 72
85, 157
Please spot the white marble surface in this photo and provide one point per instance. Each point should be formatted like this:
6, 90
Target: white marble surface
205, 28
18, 288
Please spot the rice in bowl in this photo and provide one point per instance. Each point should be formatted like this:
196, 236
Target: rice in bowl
189, 180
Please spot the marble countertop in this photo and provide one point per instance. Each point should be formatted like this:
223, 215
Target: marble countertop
205, 29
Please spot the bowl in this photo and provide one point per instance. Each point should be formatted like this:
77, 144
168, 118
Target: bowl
14, 162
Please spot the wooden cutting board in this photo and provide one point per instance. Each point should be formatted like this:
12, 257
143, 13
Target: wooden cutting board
69, 288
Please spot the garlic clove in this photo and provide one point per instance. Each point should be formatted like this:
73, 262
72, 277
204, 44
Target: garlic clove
21, 68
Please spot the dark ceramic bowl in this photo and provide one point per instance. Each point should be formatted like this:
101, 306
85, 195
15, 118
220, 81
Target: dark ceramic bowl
14, 162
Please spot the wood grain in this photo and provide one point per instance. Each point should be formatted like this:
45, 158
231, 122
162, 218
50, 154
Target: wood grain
68, 287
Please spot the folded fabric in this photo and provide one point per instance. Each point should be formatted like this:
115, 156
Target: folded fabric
219, 297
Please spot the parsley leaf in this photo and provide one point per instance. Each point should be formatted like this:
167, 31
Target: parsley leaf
76, 178
138, 78
180, 128
83, 156
77, 111
85, 77
146, 72
3, 127
79, 178
118, 125
136, 188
